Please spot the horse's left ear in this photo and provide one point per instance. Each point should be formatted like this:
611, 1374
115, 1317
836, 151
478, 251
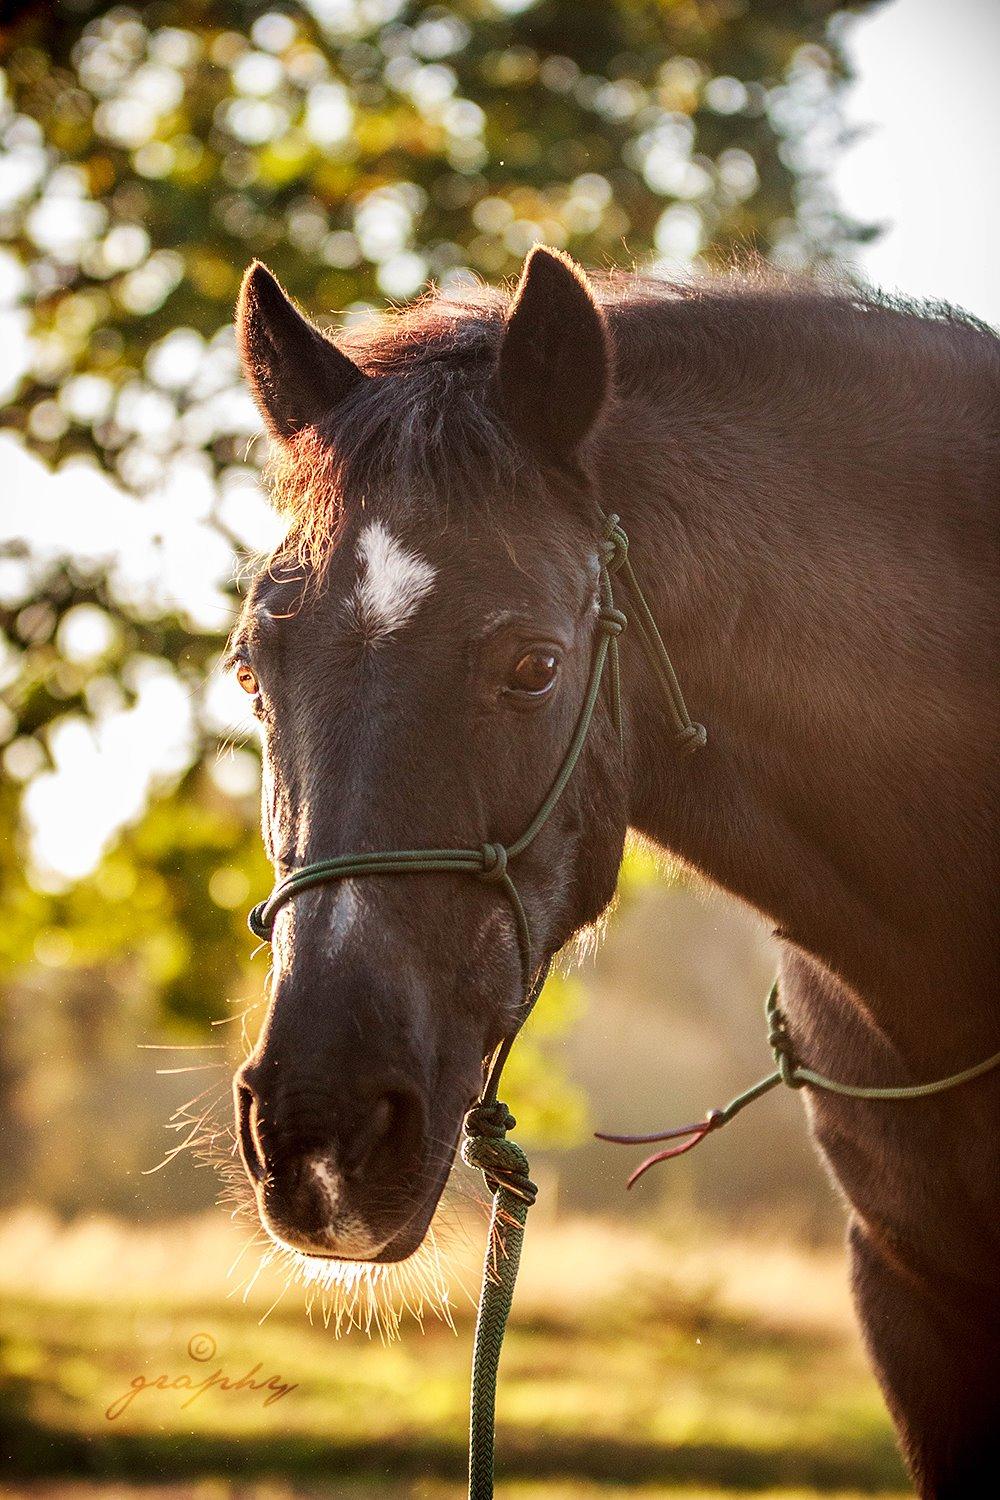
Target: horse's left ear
295, 373
554, 366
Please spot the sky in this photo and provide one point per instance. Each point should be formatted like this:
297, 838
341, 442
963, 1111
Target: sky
926, 104
928, 166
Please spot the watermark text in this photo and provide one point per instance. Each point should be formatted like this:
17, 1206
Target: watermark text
192, 1385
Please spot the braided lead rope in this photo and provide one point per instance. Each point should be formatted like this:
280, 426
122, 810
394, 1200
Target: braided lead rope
504, 1166
505, 1171
790, 1073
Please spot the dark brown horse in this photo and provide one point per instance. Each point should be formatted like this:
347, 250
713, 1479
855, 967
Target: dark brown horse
808, 481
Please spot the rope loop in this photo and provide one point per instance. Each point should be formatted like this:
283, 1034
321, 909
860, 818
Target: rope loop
258, 923
791, 1073
614, 545
780, 1044
494, 857
485, 1146
612, 621
692, 737
489, 1120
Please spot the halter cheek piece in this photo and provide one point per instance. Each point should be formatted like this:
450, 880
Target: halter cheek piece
485, 1144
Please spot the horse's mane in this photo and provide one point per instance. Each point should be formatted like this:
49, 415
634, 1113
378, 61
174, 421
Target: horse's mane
433, 431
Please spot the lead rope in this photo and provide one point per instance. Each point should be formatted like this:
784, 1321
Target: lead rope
789, 1072
505, 1170
505, 1166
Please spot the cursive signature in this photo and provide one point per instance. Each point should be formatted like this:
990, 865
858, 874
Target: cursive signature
202, 1349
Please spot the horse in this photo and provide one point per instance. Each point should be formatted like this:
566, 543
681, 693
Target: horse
808, 478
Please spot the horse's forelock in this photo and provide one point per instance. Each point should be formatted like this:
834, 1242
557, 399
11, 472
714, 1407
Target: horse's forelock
303, 478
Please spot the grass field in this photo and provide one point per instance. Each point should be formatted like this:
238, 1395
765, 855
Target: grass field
419, 1490
687, 1364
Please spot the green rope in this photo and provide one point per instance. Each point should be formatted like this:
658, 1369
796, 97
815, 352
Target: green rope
691, 736
793, 1075
505, 1168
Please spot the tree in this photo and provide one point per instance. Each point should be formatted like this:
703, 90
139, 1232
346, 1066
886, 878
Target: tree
361, 147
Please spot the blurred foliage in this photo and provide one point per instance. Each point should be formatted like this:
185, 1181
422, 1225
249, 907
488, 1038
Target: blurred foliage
363, 148
143, 910
550, 1109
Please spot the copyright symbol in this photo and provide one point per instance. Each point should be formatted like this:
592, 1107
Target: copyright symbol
201, 1346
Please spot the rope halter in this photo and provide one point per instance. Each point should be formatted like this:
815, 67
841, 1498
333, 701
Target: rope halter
485, 1145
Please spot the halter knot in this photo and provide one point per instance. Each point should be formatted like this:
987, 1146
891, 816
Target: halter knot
612, 621
492, 1120
258, 923
780, 1044
485, 1147
494, 857
692, 737
614, 546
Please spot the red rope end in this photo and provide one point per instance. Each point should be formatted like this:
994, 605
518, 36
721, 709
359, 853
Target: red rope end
697, 1133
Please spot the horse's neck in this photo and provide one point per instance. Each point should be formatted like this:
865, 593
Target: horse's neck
820, 626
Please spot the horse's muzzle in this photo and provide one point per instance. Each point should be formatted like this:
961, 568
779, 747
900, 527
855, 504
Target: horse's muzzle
333, 1177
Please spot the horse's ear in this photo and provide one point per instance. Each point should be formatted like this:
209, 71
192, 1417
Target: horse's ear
554, 366
295, 373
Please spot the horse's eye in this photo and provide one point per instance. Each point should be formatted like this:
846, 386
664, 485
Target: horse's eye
534, 673
246, 680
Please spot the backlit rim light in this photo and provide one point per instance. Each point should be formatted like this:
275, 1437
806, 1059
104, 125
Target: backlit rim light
372, 1298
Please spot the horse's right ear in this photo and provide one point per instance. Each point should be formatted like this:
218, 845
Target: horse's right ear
295, 373
554, 364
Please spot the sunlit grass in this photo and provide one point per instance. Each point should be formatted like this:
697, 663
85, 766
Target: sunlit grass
216, 1489
631, 1356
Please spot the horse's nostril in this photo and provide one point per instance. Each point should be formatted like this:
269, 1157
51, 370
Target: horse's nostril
388, 1136
381, 1119
249, 1147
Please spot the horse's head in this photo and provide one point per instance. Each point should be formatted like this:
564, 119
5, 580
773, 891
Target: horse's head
417, 653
